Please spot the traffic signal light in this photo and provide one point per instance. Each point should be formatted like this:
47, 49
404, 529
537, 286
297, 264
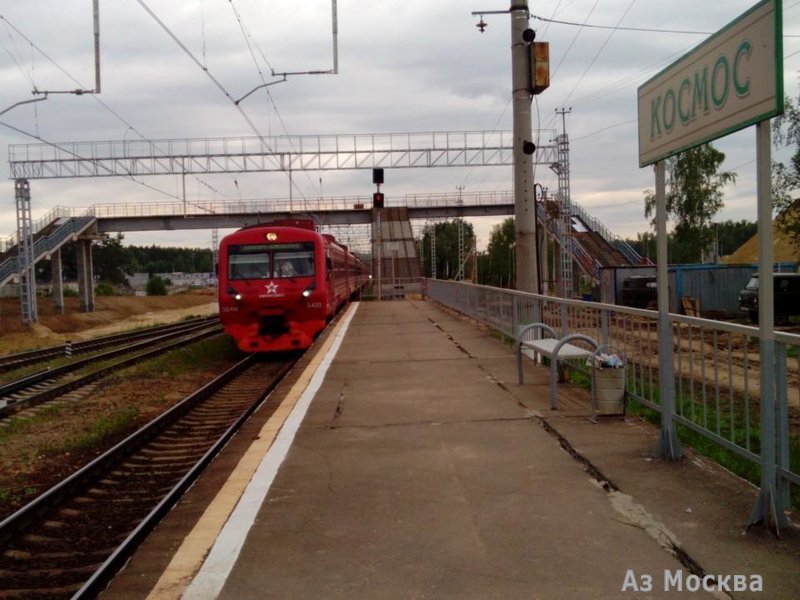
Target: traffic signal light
377, 200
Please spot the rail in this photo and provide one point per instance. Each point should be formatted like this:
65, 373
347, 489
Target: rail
716, 366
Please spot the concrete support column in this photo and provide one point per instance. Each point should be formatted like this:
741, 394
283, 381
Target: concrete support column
85, 276
57, 281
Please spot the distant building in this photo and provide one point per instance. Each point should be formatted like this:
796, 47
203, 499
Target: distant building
177, 281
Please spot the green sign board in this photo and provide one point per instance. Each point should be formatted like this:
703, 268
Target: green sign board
731, 81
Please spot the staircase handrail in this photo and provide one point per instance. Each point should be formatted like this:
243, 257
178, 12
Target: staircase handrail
617, 242
57, 212
590, 264
631, 254
46, 244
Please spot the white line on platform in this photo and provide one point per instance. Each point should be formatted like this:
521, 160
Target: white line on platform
202, 564
211, 577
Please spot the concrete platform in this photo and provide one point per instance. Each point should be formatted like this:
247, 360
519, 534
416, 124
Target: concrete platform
422, 470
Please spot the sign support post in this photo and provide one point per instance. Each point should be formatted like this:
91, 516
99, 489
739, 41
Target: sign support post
669, 446
769, 508
732, 80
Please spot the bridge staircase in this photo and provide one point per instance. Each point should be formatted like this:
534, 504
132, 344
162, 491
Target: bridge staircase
594, 247
395, 260
50, 233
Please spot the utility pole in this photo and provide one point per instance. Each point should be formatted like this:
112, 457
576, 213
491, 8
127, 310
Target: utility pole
524, 84
524, 203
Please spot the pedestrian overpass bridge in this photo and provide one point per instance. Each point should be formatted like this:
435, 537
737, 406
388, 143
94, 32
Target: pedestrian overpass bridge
348, 217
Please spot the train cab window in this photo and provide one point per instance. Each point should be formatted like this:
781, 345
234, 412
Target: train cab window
294, 264
248, 262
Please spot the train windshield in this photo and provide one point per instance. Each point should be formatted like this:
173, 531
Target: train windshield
248, 262
264, 261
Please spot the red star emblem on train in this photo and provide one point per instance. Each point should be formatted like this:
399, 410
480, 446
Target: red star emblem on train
272, 288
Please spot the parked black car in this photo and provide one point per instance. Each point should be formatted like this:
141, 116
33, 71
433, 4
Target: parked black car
640, 291
787, 297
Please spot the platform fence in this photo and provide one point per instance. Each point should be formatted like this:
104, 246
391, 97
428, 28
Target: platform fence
716, 367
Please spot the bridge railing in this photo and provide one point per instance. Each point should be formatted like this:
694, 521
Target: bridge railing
590, 264
617, 242
716, 367
52, 215
46, 244
263, 205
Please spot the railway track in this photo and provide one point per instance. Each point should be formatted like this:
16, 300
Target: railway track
31, 357
48, 384
72, 539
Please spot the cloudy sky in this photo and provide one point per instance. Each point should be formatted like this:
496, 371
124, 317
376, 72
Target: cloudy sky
404, 66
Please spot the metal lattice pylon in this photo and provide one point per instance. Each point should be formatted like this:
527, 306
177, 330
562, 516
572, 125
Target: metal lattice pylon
25, 259
564, 212
214, 247
433, 249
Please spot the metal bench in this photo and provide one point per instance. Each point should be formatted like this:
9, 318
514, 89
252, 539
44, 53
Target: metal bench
555, 349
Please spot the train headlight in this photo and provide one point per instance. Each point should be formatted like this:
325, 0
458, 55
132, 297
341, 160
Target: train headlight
238, 297
309, 290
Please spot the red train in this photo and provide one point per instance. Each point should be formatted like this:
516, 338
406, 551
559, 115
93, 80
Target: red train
280, 283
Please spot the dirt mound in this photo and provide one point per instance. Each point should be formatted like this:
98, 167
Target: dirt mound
111, 314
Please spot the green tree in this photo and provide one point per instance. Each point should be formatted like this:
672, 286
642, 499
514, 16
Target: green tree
500, 270
728, 234
732, 234
446, 236
112, 261
786, 178
694, 196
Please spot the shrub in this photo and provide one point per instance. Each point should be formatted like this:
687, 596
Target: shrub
156, 286
104, 289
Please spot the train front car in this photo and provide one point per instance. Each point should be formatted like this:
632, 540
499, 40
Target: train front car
272, 286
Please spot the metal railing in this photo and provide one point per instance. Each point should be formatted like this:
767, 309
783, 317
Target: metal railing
47, 244
52, 215
267, 153
617, 242
589, 263
716, 365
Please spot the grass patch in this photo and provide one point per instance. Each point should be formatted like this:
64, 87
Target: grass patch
206, 354
17, 495
733, 461
97, 431
19, 426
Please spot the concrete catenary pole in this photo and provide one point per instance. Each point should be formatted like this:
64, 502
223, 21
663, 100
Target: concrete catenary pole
524, 206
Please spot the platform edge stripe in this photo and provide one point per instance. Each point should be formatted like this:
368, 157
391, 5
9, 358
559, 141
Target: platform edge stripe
201, 565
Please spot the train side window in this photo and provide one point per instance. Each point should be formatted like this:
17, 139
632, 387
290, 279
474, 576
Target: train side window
329, 267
